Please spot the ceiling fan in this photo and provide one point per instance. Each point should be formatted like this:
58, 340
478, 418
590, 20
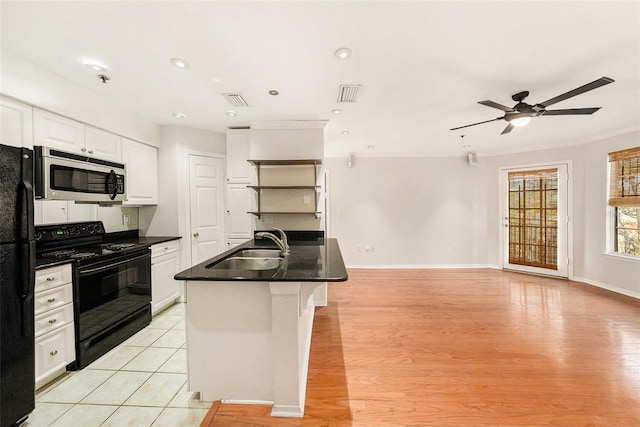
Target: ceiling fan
522, 113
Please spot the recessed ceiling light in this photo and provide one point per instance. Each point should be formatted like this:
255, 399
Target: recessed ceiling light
95, 66
231, 113
178, 115
274, 92
345, 132
336, 111
217, 80
180, 63
370, 147
342, 53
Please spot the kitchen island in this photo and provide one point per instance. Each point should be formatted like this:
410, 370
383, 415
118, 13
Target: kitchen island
249, 331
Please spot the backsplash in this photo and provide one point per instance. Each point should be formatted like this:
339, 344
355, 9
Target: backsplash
115, 218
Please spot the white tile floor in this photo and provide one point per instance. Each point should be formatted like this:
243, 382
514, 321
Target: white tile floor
142, 382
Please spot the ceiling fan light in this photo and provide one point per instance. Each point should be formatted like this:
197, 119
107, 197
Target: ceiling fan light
520, 121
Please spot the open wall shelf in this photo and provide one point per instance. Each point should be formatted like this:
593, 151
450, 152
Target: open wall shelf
278, 176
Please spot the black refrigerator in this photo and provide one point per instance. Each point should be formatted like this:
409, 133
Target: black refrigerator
17, 279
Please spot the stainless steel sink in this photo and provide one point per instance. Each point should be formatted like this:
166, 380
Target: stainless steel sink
258, 253
246, 263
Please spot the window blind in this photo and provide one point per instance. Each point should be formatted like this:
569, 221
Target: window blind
624, 182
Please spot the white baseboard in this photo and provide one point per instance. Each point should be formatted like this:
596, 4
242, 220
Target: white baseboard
607, 287
425, 266
246, 402
288, 411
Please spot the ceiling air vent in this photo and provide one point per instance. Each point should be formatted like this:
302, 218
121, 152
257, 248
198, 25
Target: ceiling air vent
348, 93
235, 99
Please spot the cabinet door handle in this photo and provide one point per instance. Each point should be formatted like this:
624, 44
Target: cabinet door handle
196, 234
54, 352
50, 300
51, 279
52, 321
83, 149
90, 151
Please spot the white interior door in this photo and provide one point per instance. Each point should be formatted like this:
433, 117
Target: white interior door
535, 219
206, 201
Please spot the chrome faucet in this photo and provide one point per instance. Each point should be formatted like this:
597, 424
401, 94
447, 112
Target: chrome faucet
282, 242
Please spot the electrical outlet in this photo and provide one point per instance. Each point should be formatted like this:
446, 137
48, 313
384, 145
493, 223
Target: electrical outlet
306, 199
455, 247
358, 248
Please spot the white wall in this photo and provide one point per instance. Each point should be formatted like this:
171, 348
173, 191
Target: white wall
170, 216
412, 211
34, 85
591, 264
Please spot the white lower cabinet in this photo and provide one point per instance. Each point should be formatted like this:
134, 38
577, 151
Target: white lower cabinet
165, 263
54, 327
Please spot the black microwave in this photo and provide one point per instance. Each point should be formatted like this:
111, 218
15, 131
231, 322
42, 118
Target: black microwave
59, 175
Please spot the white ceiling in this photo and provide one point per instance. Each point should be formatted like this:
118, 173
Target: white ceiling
422, 65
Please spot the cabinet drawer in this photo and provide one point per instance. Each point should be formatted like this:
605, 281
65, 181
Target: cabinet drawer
53, 319
53, 298
165, 248
52, 277
54, 351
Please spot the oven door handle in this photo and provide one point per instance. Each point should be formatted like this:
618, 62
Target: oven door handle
83, 272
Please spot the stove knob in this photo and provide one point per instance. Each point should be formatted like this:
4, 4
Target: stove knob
74, 230
90, 228
98, 229
37, 236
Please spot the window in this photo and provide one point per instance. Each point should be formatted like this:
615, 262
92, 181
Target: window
624, 197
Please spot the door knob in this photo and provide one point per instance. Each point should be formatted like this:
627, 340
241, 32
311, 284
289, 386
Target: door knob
196, 234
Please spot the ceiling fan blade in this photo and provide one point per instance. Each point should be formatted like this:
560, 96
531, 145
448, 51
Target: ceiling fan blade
479, 123
508, 129
582, 89
496, 105
571, 111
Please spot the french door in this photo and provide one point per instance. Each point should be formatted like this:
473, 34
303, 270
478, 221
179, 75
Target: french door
535, 219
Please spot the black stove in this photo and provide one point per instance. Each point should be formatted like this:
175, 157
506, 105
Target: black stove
81, 242
111, 284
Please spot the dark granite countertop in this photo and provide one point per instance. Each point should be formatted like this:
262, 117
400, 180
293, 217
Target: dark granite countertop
316, 260
132, 237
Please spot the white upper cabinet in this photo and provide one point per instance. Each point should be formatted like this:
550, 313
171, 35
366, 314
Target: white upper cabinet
239, 221
51, 130
238, 150
102, 144
142, 173
17, 123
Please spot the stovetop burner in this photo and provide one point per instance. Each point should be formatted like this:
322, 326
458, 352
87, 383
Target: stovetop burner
58, 254
83, 255
119, 246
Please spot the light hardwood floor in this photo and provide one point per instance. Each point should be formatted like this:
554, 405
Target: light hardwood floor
466, 348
